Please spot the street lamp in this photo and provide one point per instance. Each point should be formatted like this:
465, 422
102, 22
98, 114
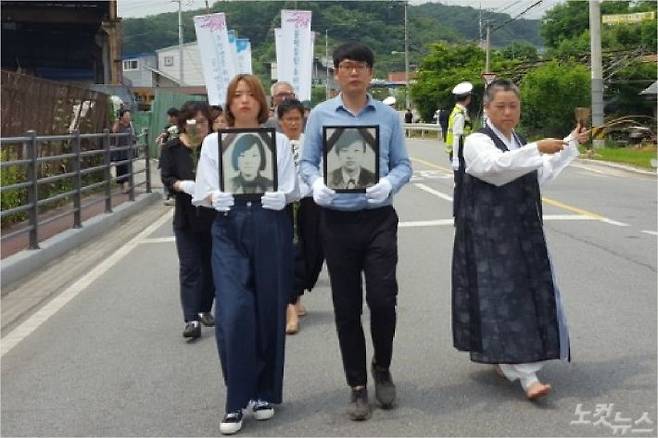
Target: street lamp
406, 58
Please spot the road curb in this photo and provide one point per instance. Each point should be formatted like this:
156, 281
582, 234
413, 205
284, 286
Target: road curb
21, 264
617, 166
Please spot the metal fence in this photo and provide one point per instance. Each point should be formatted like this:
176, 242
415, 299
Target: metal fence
103, 146
423, 128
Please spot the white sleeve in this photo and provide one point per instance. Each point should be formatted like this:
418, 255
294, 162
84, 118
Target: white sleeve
458, 124
207, 171
554, 164
486, 162
286, 172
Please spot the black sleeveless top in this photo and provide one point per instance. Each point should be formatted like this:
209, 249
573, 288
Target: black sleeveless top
503, 297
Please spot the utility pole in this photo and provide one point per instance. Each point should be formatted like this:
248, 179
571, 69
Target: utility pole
597, 68
480, 25
487, 49
406, 58
180, 40
326, 62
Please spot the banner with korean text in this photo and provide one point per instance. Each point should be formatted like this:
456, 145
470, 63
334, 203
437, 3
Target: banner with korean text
294, 47
217, 55
243, 46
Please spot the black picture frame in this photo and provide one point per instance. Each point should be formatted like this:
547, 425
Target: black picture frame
230, 176
341, 135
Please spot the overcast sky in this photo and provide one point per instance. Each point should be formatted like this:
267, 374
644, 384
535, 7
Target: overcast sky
142, 8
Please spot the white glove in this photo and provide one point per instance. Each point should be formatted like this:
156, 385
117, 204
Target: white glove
222, 201
273, 200
379, 192
322, 195
186, 186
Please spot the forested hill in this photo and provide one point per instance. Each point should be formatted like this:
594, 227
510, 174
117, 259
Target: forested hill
376, 23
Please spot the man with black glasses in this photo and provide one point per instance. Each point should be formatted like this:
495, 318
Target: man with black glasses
359, 230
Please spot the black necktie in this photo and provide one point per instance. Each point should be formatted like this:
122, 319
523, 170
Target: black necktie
351, 184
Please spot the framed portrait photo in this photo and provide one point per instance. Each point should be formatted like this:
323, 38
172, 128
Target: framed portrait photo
247, 162
351, 157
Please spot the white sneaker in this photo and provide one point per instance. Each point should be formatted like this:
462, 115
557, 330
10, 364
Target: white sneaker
262, 410
232, 423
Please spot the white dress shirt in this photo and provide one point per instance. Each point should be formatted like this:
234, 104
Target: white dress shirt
297, 147
207, 172
486, 162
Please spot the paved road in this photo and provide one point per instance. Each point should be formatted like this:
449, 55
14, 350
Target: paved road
106, 356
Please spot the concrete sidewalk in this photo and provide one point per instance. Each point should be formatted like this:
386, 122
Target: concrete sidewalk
57, 238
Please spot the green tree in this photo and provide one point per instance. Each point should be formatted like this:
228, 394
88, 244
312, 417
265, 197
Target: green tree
443, 68
549, 95
623, 90
520, 50
564, 26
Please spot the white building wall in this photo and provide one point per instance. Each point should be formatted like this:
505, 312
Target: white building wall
168, 63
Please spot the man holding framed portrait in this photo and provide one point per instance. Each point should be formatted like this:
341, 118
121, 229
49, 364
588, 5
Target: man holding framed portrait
352, 161
359, 224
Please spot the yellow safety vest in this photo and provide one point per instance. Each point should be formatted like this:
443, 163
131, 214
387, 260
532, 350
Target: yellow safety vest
451, 123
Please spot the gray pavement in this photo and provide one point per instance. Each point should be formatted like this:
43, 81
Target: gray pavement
108, 358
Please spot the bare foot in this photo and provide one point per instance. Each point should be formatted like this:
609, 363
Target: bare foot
538, 390
292, 321
499, 371
301, 310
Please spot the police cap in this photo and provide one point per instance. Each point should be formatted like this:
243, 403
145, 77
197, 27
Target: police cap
462, 89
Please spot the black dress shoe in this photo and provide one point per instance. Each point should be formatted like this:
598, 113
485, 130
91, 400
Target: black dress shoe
192, 329
359, 407
384, 386
207, 319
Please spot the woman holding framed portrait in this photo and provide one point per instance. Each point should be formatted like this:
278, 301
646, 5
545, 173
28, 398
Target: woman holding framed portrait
252, 255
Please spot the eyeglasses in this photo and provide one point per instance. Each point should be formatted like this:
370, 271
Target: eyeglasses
284, 94
347, 67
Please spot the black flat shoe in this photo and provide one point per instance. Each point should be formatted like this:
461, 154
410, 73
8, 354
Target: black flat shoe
192, 329
207, 319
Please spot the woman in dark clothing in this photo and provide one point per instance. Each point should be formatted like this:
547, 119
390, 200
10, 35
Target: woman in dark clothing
308, 245
123, 125
191, 224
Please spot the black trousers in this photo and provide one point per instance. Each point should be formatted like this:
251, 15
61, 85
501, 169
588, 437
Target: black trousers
196, 282
122, 173
308, 248
354, 243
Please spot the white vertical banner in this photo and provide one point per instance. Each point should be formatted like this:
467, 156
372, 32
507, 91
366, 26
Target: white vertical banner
216, 55
244, 55
296, 54
279, 48
233, 41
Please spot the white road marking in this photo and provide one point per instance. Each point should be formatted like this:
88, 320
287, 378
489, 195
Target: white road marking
434, 192
159, 240
546, 217
653, 233
568, 217
613, 222
585, 167
445, 222
436, 223
14, 337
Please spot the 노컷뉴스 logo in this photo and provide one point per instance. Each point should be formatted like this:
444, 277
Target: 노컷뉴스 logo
604, 415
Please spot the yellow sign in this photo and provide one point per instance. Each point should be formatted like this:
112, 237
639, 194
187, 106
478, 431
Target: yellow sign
628, 18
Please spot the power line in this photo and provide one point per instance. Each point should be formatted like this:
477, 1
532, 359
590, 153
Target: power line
515, 18
515, 2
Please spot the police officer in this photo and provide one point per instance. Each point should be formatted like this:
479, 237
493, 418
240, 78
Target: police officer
459, 123
459, 126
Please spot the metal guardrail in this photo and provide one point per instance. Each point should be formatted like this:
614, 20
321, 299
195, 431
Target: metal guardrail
423, 128
31, 143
